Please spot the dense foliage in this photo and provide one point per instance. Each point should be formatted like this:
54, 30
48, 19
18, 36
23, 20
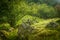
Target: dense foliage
29, 19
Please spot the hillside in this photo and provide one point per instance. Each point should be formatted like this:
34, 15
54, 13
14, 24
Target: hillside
29, 20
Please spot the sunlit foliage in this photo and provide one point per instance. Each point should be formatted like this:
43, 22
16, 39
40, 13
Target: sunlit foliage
29, 19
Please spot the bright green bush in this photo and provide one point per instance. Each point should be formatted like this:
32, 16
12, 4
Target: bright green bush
4, 26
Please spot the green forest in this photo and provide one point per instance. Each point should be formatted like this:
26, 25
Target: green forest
29, 19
